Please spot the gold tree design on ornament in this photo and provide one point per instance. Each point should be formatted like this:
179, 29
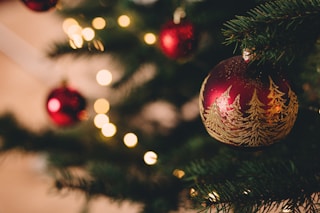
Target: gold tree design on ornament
256, 126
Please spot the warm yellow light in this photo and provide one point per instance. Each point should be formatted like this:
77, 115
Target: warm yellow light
150, 158
108, 129
101, 106
98, 45
124, 21
88, 33
214, 196
67, 23
104, 77
150, 38
178, 173
74, 30
76, 41
130, 140
100, 120
99, 23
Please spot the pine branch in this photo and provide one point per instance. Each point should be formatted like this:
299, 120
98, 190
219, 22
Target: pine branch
276, 30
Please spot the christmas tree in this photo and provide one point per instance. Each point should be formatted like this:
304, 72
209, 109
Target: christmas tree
167, 49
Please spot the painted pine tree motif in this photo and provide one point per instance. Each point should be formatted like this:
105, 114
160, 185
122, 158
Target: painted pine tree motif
277, 104
215, 117
255, 127
282, 111
291, 112
235, 121
255, 132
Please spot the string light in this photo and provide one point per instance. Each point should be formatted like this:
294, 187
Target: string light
101, 106
88, 33
150, 38
104, 77
150, 158
99, 23
130, 139
178, 173
100, 120
76, 41
108, 130
124, 21
67, 23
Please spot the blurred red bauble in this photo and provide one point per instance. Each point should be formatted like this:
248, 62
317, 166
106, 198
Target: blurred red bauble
178, 41
66, 106
40, 5
246, 107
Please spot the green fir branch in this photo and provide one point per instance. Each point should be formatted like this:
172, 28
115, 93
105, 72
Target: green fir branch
276, 30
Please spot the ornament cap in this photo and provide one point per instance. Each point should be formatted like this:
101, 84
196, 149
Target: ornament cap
179, 14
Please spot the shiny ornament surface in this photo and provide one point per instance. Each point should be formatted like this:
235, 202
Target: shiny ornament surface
244, 107
40, 5
66, 106
178, 41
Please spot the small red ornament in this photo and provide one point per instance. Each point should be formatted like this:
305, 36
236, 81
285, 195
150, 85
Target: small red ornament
66, 106
178, 40
242, 107
40, 5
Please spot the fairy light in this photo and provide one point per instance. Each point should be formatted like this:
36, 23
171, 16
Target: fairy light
124, 21
150, 38
76, 41
214, 196
99, 23
88, 33
101, 106
109, 130
130, 140
178, 173
100, 120
104, 77
69, 23
150, 158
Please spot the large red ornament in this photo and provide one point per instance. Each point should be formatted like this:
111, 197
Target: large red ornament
66, 106
40, 5
178, 40
244, 107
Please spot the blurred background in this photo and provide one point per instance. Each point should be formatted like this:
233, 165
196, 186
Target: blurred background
27, 76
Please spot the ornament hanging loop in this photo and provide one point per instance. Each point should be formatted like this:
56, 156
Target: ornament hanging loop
179, 14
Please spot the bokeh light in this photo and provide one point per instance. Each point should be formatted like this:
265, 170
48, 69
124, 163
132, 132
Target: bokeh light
178, 173
130, 139
88, 33
76, 41
101, 106
100, 120
104, 77
67, 23
124, 21
109, 130
99, 23
150, 38
150, 158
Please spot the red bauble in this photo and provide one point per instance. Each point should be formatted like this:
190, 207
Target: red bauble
178, 41
40, 5
66, 106
244, 107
